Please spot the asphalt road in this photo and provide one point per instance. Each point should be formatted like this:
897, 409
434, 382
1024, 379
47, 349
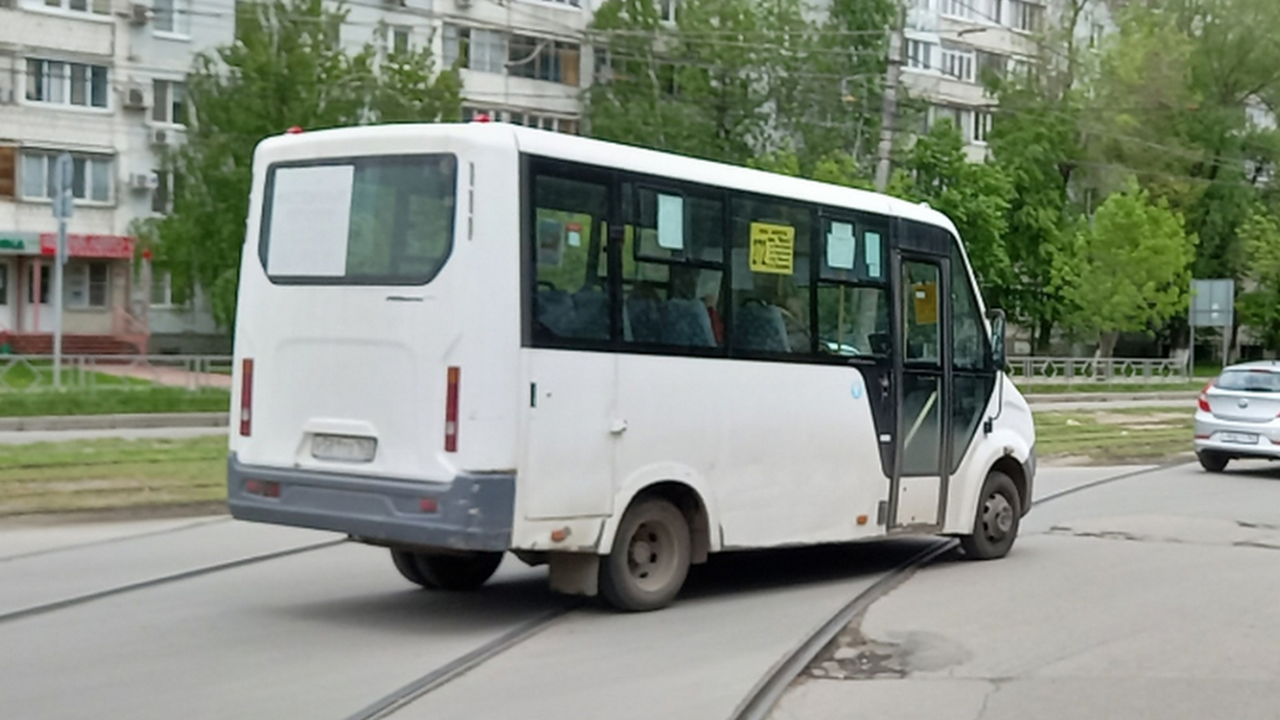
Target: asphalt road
276, 623
1151, 597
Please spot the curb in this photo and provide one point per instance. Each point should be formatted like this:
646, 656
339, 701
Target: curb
1066, 398
113, 422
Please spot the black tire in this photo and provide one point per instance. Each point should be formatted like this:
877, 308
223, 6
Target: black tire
995, 525
657, 531
1214, 462
407, 563
457, 572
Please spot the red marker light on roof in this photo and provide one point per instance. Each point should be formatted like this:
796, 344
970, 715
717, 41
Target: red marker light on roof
295, 130
480, 118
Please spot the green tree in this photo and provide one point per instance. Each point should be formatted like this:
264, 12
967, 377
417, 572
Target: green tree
1132, 271
1260, 305
285, 68
732, 79
1035, 143
975, 195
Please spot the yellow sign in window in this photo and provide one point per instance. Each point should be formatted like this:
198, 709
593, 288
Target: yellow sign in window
773, 248
926, 299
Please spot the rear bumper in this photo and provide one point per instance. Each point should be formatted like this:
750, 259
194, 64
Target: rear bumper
1212, 435
475, 511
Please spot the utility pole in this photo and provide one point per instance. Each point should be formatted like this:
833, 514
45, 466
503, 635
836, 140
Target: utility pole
889, 113
63, 206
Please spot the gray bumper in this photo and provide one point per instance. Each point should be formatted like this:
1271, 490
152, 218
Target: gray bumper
475, 511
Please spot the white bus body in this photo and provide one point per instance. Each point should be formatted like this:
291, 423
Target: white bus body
460, 340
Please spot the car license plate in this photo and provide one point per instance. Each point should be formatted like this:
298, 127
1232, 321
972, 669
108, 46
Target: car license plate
343, 448
1239, 438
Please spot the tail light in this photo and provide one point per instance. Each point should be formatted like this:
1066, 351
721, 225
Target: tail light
246, 398
451, 410
1204, 397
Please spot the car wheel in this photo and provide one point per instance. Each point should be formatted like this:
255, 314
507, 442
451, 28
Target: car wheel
995, 526
1214, 462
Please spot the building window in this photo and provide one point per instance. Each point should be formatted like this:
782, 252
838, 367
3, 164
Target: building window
989, 66
170, 102
90, 176
64, 83
172, 16
162, 196
666, 10
161, 289
170, 99
1096, 33
87, 285
8, 171
980, 127
956, 8
541, 59
46, 282
533, 120
400, 39
958, 64
920, 55
97, 7
481, 50
1025, 16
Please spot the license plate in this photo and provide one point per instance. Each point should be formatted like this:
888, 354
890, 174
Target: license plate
1240, 438
343, 448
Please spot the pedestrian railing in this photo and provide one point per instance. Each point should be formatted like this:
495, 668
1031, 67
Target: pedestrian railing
34, 373
1090, 370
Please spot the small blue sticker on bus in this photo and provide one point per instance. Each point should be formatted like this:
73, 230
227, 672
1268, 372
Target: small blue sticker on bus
856, 391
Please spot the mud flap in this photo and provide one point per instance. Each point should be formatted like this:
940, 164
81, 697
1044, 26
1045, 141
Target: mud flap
575, 573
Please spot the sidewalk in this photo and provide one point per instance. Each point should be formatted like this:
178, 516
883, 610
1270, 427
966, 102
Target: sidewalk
48, 423
167, 376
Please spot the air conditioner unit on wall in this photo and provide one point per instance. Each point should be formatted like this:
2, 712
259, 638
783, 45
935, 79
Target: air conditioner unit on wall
139, 14
162, 137
135, 97
144, 181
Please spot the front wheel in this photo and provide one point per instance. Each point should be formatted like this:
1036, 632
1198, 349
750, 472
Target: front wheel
1213, 462
650, 557
996, 525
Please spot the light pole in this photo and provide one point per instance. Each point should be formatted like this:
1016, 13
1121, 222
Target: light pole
63, 206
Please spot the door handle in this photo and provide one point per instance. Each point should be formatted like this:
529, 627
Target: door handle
617, 427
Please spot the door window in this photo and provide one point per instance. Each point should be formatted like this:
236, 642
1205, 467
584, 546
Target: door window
921, 411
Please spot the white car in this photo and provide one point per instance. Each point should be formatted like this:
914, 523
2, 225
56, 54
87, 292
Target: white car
1239, 415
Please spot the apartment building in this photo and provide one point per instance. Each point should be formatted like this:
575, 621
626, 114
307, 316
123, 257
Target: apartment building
100, 80
950, 46
521, 61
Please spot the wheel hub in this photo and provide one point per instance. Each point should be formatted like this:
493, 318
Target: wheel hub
651, 555
997, 517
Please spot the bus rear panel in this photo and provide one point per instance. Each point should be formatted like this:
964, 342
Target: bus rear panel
355, 407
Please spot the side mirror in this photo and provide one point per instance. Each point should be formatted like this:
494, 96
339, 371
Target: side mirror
999, 358
998, 354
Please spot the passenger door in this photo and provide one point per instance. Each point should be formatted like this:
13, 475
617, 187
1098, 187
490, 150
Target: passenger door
571, 374
922, 382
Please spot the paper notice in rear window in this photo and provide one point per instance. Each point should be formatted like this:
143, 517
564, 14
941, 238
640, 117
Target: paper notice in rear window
310, 215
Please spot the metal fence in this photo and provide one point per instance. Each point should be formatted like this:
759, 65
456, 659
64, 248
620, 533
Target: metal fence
34, 373
1088, 370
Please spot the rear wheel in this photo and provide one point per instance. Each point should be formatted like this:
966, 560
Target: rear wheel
447, 572
407, 563
1214, 462
996, 525
650, 557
